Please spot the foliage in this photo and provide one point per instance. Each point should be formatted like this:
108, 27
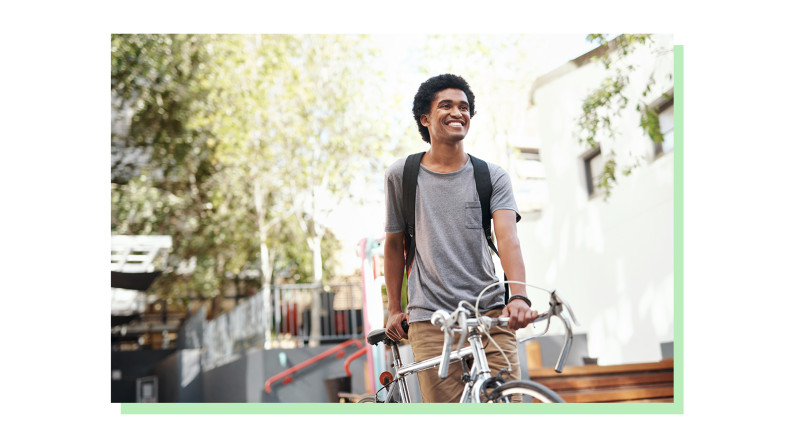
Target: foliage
293, 262
334, 131
228, 134
605, 103
167, 83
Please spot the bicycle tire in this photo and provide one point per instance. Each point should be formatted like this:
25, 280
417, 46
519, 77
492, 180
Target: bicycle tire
395, 398
527, 389
371, 399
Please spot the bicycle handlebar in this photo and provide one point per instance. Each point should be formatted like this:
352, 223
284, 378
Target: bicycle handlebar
559, 307
451, 322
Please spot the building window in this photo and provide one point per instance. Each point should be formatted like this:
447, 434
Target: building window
528, 154
528, 165
665, 114
529, 182
594, 164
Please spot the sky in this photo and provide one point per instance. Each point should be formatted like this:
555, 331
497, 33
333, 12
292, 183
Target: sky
559, 49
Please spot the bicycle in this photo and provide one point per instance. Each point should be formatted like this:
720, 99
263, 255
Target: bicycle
478, 380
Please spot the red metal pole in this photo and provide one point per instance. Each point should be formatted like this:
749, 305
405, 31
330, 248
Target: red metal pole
354, 356
319, 357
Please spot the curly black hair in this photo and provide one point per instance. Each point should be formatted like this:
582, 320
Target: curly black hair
422, 102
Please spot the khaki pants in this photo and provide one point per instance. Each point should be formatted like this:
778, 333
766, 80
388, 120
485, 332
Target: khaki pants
426, 341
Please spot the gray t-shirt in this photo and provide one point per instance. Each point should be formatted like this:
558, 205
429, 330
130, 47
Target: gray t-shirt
452, 259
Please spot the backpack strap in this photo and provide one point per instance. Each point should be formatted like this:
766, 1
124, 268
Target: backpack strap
409, 187
484, 188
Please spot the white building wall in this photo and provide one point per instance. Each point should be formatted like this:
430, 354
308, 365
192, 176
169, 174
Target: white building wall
612, 260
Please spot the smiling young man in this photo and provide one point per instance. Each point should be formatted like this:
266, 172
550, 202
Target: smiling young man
452, 260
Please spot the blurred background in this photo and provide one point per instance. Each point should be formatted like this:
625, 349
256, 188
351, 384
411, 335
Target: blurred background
248, 204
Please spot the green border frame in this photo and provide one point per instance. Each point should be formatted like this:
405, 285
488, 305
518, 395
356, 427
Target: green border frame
574, 408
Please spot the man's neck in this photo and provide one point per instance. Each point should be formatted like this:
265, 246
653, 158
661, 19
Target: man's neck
445, 158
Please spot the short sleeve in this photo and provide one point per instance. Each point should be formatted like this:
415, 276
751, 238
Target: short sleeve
394, 215
502, 194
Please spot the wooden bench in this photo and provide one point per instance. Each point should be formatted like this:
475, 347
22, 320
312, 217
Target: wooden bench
651, 382
345, 397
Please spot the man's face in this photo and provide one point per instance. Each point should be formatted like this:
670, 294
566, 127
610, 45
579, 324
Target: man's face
449, 116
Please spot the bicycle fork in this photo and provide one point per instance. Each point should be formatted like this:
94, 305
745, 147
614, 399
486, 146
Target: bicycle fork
480, 370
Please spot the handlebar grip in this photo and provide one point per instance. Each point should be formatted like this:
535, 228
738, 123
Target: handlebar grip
405, 326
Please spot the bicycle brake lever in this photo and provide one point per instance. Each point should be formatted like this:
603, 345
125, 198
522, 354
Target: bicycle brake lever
566, 307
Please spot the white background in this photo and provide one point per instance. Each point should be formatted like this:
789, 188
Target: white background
55, 208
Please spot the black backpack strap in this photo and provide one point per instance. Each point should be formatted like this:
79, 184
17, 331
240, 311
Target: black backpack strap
409, 187
484, 188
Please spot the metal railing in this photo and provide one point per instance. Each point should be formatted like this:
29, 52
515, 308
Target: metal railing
308, 312
295, 315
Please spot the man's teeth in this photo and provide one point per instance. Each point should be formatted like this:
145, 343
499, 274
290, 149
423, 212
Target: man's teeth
455, 124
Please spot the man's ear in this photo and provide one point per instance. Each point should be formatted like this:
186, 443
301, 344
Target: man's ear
424, 123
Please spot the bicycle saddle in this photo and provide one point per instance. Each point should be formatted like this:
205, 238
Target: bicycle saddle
376, 336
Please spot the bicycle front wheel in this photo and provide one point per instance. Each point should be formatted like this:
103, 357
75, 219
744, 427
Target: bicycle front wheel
395, 397
526, 389
371, 399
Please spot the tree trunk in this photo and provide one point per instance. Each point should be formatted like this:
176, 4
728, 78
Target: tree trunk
260, 198
266, 285
316, 309
317, 258
217, 302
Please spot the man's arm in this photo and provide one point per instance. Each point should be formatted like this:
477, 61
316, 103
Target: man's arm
505, 225
394, 276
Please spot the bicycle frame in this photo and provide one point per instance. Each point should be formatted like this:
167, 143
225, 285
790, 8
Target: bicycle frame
480, 371
476, 349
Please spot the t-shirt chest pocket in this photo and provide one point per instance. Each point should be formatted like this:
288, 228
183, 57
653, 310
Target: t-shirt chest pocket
473, 215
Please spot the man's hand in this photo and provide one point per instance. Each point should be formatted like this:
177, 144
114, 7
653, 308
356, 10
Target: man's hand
519, 314
394, 329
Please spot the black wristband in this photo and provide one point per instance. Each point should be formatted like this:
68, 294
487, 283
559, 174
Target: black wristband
521, 297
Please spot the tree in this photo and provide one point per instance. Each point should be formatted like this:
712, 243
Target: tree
291, 261
333, 128
165, 84
255, 72
607, 101
232, 142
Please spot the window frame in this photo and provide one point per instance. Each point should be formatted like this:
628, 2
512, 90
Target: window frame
660, 105
586, 158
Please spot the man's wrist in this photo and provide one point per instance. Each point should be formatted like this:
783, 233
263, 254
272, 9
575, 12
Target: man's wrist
519, 297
